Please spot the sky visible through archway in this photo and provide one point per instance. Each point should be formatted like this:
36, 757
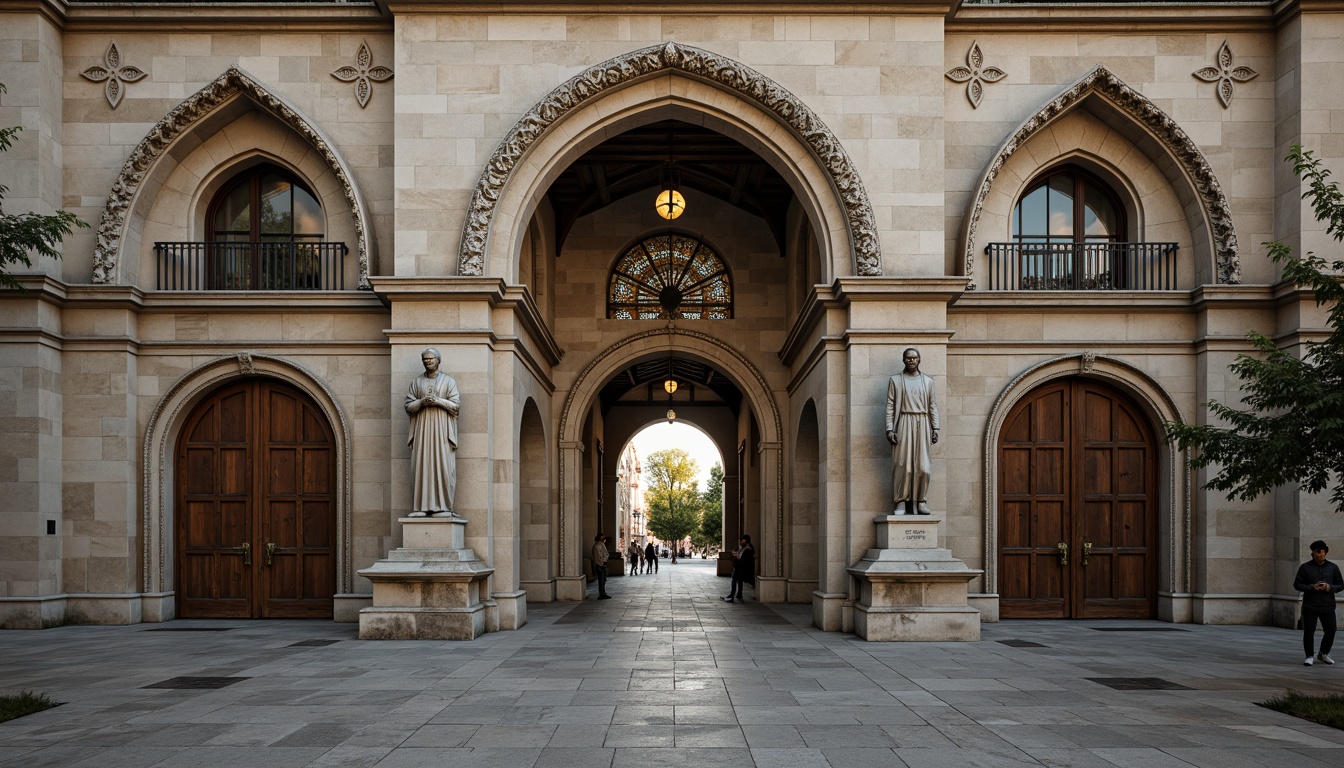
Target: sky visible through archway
661, 436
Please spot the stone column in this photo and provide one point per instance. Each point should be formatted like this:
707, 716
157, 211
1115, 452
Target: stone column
771, 586
570, 583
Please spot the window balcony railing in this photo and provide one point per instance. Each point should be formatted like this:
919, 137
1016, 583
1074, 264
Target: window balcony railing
1074, 266
242, 266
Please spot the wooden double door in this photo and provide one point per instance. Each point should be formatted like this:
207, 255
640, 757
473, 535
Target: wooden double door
256, 506
1077, 505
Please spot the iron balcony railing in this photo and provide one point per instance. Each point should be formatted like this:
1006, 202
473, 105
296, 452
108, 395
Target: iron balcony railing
242, 266
1074, 266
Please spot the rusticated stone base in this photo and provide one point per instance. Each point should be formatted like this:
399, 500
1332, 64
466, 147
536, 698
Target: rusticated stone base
428, 592
910, 589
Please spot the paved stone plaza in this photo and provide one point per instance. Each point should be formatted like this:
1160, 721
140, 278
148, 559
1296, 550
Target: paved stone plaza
663, 675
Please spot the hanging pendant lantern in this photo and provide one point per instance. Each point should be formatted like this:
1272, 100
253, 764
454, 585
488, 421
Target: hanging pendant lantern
670, 203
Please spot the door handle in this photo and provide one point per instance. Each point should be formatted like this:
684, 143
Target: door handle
1087, 551
247, 553
1063, 550
270, 552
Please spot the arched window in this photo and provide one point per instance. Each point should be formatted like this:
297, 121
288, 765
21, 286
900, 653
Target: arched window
264, 232
265, 204
670, 276
1068, 233
1068, 205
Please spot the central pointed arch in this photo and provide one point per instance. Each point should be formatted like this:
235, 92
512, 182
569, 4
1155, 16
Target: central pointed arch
720, 71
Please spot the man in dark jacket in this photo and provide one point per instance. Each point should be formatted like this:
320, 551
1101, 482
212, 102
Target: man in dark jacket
744, 568
1318, 580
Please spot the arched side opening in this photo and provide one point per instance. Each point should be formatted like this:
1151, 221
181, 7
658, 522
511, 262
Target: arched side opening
1034, 443
535, 573
805, 509
663, 82
1175, 161
127, 211
165, 429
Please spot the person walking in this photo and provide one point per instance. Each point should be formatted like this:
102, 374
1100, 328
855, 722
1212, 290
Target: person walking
600, 556
650, 558
1318, 580
744, 568
632, 552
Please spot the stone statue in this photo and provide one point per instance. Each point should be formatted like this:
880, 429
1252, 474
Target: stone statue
433, 403
912, 428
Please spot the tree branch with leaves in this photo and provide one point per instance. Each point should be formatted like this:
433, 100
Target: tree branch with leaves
25, 234
1291, 429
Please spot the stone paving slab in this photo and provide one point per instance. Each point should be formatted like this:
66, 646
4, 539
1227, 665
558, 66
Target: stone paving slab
663, 675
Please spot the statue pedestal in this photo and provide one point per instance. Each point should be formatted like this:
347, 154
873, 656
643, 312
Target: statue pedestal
910, 588
433, 588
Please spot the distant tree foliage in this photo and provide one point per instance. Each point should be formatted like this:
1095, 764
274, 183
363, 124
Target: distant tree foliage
673, 496
1292, 428
24, 234
709, 534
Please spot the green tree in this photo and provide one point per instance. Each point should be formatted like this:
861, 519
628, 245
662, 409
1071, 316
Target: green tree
23, 234
709, 534
1292, 428
673, 497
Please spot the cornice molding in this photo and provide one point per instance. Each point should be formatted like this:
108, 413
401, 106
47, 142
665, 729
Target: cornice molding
1129, 18
214, 17
699, 8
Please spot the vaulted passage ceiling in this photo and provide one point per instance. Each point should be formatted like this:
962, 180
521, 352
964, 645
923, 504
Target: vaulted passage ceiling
707, 162
692, 373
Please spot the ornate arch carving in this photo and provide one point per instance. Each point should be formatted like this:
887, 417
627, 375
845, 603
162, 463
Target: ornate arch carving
1175, 505
1101, 82
608, 361
695, 62
234, 81
161, 437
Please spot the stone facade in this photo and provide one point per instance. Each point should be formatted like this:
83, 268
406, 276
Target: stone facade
434, 168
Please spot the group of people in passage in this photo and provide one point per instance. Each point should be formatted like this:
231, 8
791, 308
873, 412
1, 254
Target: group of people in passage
645, 557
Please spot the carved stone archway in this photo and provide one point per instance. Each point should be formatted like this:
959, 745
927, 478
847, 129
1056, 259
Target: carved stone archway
1100, 82
122, 200
628, 68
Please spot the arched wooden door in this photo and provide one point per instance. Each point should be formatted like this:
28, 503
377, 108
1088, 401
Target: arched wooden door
256, 506
1077, 505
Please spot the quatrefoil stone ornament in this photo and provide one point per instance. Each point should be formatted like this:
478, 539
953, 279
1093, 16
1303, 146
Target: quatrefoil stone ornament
114, 75
1225, 75
975, 74
364, 74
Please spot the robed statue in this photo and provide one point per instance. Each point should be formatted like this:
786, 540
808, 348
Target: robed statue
433, 403
912, 428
